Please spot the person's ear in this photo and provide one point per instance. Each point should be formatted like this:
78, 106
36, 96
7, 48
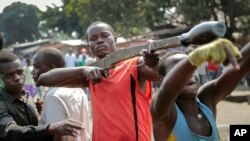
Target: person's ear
115, 38
52, 66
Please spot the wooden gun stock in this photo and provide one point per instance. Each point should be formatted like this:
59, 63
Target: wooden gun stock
200, 34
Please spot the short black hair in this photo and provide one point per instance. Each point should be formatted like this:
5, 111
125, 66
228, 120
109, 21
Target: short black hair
52, 56
169, 53
163, 64
100, 22
7, 56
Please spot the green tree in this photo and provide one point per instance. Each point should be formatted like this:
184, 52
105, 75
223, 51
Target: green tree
235, 13
128, 17
19, 23
133, 17
57, 18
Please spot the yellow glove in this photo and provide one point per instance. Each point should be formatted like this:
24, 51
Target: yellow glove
214, 51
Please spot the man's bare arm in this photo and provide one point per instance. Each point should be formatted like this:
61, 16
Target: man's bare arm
72, 77
215, 91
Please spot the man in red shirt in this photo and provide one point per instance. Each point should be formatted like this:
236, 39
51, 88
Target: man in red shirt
120, 100
213, 70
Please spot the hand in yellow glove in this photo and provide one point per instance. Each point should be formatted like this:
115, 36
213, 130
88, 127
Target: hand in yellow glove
217, 52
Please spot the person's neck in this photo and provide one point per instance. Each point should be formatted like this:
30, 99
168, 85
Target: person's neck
188, 105
16, 93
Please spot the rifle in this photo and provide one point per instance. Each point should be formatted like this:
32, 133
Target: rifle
200, 34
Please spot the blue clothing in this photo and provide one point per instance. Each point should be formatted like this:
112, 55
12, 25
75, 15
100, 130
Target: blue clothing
181, 131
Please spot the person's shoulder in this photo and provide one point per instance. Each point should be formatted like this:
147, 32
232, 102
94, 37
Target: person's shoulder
2, 99
68, 95
65, 92
3, 105
134, 59
129, 61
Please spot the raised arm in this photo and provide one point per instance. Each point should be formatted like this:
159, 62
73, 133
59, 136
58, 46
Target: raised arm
171, 86
176, 78
215, 91
72, 77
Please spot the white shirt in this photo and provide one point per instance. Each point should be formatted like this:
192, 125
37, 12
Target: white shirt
202, 69
70, 60
61, 103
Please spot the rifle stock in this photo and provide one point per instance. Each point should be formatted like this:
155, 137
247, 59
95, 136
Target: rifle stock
200, 34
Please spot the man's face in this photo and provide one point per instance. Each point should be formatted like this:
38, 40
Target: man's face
12, 77
39, 67
101, 40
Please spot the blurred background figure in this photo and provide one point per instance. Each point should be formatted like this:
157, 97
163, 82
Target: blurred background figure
70, 58
202, 71
247, 78
23, 60
213, 70
29, 84
82, 57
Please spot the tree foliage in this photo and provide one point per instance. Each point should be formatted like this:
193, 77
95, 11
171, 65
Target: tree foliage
131, 17
235, 13
19, 23
57, 19
128, 17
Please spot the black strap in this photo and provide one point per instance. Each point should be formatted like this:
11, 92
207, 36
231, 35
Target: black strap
133, 96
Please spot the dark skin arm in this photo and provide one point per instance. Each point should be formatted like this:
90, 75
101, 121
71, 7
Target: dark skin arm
11, 131
168, 92
80, 76
71, 77
214, 91
162, 108
210, 94
147, 67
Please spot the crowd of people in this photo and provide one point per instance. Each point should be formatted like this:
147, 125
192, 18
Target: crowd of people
123, 105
